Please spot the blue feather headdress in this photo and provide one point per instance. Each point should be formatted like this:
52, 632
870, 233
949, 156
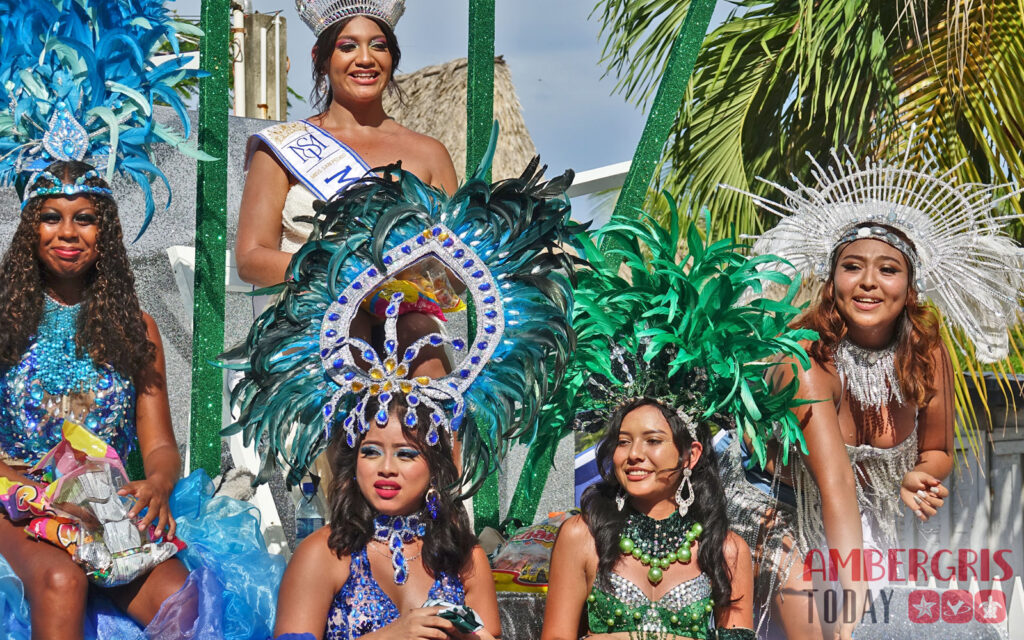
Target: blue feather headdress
501, 240
79, 79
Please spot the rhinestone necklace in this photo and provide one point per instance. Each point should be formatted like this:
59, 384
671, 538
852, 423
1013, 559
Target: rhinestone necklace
869, 374
394, 532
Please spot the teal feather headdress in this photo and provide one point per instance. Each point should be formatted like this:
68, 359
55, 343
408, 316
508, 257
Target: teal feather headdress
79, 79
678, 329
502, 240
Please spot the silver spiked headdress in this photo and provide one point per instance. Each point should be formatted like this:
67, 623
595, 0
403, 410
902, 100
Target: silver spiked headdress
961, 260
320, 14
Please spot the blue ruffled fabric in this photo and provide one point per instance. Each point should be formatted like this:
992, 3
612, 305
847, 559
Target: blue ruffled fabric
230, 595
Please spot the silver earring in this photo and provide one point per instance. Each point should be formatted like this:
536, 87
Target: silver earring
620, 498
684, 505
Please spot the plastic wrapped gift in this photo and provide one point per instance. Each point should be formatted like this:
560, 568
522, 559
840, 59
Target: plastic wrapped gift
523, 563
80, 511
425, 287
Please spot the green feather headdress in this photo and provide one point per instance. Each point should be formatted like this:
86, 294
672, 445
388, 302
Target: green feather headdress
684, 330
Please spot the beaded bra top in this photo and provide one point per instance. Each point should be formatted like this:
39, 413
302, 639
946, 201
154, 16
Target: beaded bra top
362, 607
615, 604
52, 383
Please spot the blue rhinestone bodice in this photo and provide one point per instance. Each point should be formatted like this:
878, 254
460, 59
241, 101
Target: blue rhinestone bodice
52, 383
362, 607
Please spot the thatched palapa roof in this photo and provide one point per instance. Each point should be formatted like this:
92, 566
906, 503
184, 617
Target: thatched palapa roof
435, 105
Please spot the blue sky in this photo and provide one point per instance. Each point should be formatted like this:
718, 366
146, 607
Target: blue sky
552, 50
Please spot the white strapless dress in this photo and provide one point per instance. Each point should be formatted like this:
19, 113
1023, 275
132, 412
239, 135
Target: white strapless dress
298, 203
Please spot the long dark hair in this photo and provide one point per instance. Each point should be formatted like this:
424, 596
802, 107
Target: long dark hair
449, 540
322, 94
606, 521
110, 324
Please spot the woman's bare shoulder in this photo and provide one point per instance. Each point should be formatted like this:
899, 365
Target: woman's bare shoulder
576, 532
735, 548
421, 144
819, 374
315, 554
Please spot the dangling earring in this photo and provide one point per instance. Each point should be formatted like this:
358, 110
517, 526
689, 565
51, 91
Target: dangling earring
684, 505
433, 499
620, 499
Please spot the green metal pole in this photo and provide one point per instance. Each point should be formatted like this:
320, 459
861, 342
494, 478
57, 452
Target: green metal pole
479, 121
665, 108
480, 87
211, 241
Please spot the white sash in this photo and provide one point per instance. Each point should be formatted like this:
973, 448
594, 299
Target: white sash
317, 159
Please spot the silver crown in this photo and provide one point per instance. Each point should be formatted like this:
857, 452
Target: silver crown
320, 14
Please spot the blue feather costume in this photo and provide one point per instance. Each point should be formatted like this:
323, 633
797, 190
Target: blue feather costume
79, 79
502, 240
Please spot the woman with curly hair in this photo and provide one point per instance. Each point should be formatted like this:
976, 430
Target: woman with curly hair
399, 555
77, 347
878, 412
897, 436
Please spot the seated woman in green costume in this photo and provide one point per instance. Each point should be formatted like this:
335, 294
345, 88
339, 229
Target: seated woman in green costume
668, 351
652, 551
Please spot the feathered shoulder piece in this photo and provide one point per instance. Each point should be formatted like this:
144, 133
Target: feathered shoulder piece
502, 241
656, 324
79, 79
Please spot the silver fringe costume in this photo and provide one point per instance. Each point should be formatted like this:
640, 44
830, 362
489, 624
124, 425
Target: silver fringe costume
879, 473
869, 375
749, 509
779, 534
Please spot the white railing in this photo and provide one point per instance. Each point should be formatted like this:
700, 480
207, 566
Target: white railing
183, 260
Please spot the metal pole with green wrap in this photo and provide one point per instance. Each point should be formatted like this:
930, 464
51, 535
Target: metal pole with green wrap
211, 241
479, 121
664, 110
665, 107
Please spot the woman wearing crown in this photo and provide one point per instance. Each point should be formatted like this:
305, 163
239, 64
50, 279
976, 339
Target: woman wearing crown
884, 238
292, 165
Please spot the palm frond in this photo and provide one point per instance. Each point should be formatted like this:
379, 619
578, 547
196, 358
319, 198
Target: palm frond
783, 79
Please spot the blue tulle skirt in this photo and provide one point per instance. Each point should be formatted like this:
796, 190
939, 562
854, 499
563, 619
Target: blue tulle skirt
230, 594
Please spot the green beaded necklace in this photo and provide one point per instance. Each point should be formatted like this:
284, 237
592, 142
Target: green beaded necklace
659, 543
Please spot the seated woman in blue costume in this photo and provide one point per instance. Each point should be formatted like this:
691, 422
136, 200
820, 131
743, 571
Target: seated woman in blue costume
77, 346
398, 541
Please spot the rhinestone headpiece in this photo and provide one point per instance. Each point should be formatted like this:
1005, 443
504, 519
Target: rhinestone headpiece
963, 261
58, 188
320, 14
389, 375
636, 377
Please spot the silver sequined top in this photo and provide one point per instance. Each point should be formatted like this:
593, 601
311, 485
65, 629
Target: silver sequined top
654, 614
